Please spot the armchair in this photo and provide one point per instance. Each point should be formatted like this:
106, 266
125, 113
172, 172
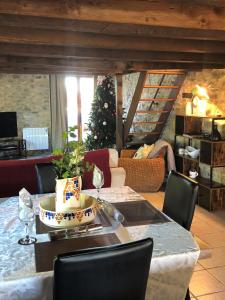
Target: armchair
142, 175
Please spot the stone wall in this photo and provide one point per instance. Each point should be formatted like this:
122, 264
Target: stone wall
29, 96
214, 81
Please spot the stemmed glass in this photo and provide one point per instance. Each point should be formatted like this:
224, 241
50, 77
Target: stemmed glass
98, 180
26, 215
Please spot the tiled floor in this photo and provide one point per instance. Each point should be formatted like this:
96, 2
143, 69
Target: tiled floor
208, 280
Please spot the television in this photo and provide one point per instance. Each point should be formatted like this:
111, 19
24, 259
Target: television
8, 124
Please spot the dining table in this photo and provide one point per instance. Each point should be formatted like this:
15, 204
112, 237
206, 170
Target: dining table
27, 274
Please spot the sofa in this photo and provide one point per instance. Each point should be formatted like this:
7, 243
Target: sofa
18, 173
118, 173
142, 175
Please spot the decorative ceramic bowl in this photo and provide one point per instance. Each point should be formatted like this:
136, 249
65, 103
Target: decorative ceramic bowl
72, 217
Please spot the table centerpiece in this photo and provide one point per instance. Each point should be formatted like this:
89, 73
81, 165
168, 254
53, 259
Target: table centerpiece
69, 207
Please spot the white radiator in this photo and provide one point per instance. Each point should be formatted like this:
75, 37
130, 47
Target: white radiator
36, 138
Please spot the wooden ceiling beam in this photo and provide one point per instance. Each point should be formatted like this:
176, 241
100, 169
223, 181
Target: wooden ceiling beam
63, 62
110, 28
12, 49
91, 40
186, 14
51, 70
104, 66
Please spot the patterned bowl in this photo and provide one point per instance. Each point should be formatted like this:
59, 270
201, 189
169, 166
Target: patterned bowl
72, 217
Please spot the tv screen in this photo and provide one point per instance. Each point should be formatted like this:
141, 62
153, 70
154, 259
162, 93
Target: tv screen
8, 124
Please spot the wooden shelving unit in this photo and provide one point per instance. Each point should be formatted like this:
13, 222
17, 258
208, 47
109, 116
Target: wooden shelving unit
212, 153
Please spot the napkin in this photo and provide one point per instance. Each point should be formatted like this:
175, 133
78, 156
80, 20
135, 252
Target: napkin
25, 198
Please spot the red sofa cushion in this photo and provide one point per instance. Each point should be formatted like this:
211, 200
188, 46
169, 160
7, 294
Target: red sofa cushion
101, 159
18, 173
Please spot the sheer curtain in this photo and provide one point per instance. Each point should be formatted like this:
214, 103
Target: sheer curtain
58, 99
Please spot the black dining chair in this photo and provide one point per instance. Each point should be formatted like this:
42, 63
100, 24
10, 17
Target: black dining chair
180, 198
179, 203
46, 176
117, 272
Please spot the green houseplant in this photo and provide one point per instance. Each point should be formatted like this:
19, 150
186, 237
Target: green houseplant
69, 168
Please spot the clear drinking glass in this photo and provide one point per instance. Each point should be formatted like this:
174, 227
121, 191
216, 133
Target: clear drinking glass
98, 180
26, 215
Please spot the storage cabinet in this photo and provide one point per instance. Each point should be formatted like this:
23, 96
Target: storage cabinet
212, 153
211, 194
12, 148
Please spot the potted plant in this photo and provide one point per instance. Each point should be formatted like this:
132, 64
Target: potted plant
69, 168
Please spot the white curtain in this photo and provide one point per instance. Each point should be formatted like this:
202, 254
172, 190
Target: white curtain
58, 99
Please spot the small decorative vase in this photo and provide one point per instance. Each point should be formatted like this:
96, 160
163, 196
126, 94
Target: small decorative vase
67, 193
215, 136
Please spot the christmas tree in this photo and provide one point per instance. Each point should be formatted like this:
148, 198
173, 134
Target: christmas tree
102, 120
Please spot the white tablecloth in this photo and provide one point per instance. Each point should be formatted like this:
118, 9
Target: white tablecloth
174, 256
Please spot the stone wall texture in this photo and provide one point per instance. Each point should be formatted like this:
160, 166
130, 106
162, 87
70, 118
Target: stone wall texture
214, 81
29, 96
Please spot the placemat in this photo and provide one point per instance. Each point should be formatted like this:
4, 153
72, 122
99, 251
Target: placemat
140, 213
46, 252
101, 218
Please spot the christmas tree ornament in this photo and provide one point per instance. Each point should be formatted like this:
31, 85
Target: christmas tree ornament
106, 105
95, 137
104, 123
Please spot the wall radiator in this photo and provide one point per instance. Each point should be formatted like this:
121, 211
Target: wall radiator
36, 138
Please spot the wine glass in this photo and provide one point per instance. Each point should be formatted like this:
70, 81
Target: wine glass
98, 180
26, 215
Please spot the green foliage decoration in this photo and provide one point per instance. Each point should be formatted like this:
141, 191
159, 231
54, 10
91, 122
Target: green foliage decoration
70, 162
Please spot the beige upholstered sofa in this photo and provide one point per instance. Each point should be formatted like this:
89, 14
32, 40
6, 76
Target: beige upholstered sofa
143, 175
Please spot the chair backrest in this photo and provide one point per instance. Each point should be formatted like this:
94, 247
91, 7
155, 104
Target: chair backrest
114, 273
46, 176
180, 198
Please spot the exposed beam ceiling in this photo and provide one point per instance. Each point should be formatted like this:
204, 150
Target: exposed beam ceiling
111, 36
177, 13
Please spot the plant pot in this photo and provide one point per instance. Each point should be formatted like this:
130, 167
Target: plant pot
68, 193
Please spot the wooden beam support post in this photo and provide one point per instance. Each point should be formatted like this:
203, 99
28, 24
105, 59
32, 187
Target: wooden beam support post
119, 112
134, 103
79, 116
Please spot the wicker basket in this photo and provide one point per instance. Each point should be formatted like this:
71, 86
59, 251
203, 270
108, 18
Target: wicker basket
142, 175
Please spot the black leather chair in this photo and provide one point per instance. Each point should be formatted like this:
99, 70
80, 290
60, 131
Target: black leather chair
110, 273
180, 199
46, 176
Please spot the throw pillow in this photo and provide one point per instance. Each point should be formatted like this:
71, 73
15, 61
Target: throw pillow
143, 151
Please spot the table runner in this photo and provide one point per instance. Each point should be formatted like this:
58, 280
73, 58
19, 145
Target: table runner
46, 252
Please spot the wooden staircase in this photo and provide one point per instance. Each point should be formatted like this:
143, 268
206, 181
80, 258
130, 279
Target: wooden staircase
148, 115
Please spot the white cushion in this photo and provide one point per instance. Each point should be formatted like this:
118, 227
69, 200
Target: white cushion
113, 158
118, 176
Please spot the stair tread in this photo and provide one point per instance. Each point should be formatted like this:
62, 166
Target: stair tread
162, 86
144, 133
167, 72
157, 99
147, 122
151, 111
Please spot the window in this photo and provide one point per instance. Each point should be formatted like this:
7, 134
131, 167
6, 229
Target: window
80, 94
